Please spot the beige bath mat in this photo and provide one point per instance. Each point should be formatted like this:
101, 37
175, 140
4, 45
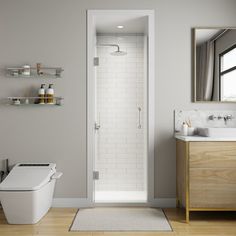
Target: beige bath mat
120, 219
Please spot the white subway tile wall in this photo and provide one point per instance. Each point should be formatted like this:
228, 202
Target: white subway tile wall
121, 90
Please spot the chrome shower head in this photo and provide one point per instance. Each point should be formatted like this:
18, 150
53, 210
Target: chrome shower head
118, 52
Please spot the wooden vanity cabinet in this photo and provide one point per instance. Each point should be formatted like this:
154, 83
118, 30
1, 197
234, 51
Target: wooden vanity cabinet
206, 176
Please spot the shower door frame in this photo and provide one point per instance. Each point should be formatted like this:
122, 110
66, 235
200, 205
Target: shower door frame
91, 32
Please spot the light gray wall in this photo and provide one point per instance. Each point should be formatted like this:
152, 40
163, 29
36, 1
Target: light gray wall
54, 32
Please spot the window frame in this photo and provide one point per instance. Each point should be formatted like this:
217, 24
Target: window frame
221, 73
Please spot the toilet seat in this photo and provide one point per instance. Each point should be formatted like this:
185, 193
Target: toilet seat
28, 177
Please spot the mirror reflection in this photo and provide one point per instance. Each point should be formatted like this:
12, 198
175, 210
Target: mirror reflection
215, 64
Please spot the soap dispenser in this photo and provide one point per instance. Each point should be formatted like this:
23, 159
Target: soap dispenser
184, 129
50, 94
41, 94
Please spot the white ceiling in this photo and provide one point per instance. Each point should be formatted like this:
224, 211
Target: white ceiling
109, 23
202, 35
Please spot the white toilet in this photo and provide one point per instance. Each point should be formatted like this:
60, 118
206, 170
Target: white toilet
26, 193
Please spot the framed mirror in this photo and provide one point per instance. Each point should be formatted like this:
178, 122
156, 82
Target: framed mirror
214, 65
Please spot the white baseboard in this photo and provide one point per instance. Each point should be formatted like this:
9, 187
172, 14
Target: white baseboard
163, 202
84, 202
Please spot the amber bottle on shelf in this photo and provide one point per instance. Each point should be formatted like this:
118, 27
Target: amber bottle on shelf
41, 94
50, 95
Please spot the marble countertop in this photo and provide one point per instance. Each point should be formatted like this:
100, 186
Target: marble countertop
196, 138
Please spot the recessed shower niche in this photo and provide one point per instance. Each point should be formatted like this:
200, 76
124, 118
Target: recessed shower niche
119, 116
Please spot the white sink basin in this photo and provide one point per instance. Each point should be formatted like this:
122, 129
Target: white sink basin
217, 132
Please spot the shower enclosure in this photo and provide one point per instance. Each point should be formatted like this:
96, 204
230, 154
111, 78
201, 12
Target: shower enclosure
121, 153
120, 94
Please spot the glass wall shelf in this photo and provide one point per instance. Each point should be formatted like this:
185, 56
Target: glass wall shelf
29, 101
45, 72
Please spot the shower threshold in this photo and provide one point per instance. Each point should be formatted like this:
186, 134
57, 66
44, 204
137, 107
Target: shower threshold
120, 197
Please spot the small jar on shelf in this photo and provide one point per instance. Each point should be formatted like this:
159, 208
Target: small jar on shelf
26, 70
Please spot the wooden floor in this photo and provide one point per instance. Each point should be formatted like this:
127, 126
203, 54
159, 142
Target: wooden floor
58, 221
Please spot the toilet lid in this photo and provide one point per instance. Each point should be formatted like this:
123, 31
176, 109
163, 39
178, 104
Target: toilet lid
26, 179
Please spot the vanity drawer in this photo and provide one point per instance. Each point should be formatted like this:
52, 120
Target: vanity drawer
212, 188
212, 154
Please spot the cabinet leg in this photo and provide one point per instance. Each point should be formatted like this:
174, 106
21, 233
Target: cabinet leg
187, 215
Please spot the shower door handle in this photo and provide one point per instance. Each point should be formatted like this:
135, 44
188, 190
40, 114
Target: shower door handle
139, 118
97, 126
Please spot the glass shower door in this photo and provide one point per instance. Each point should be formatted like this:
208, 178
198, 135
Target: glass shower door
121, 139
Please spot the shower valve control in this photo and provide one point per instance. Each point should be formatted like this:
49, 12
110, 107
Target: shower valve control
97, 126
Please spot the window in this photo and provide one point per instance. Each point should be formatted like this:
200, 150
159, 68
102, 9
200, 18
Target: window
228, 74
